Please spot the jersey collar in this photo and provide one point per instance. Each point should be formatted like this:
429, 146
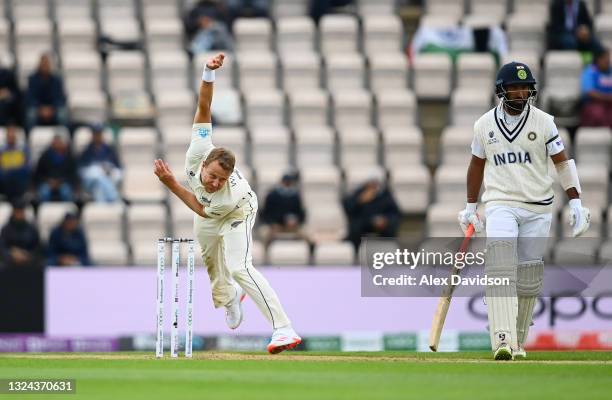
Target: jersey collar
507, 132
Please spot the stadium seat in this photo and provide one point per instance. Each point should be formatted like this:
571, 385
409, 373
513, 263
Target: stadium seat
146, 223
82, 71
50, 215
6, 209
468, 104
402, 147
562, 71
270, 146
5, 35
410, 187
437, 21
450, 184
593, 146
76, 34
444, 7
455, 146
264, 107
164, 33
339, 34
352, 107
388, 71
358, 146
396, 108
120, 28
72, 10
257, 70
141, 185
527, 32
432, 76
326, 222
301, 70
594, 181
233, 138
308, 108
253, 34
605, 252
360, 174
267, 178
175, 107
182, 220
87, 106
138, 147
295, 35
603, 28
476, 71
288, 252
169, 70
320, 185
344, 71
29, 9
126, 72
155, 10
441, 220
531, 7
376, 7
314, 145
489, 8
289, 8
104, 228
334, 253
382, 34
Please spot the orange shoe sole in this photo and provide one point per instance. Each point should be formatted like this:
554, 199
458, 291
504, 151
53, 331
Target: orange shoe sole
288, 346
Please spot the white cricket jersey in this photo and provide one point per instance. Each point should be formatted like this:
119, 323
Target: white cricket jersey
516, 152
233, 200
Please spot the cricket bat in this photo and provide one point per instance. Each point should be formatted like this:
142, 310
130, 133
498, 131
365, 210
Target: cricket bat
444, 302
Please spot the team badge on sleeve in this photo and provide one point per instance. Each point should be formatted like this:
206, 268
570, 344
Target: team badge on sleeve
203, 132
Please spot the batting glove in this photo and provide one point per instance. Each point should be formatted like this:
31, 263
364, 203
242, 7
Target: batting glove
579, 217
470, 216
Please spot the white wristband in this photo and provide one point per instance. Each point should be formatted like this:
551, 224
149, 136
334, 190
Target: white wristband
208, 75
471, 207
575, 203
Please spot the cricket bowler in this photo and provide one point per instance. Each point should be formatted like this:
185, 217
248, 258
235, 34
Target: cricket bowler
225, 208
510, 150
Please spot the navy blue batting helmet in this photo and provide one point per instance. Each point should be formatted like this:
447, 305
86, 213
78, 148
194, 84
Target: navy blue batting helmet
514, 73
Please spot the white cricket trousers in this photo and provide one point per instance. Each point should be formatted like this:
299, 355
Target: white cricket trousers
227, 253
505, 222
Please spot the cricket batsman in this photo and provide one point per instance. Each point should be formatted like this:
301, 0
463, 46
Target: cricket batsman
510, 150
225, 208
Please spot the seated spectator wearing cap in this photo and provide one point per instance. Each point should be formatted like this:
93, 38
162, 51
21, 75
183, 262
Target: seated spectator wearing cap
45, 98
283, 213
371, 211
15, 168
20, 244
56, 172
10, 97
571, 27
68, 244
596, 85
99, 168
211, 34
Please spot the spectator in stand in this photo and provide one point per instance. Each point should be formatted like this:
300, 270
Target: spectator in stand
68, 244
99, 168
209, 7
283, 213
247, 9
211, 35
45, 99
15, 169
597, 91
371, 210
319, 8
571, 27
56, 172
10, 96
20, 244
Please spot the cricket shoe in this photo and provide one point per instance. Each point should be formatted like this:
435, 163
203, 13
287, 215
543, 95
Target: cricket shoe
503, 352
233, 309
283, 339
520, 353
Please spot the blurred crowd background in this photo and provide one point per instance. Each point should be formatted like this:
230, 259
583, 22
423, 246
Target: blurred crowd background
350, 118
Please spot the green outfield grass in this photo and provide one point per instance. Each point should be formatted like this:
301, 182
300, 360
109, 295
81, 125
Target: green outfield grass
296, 375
